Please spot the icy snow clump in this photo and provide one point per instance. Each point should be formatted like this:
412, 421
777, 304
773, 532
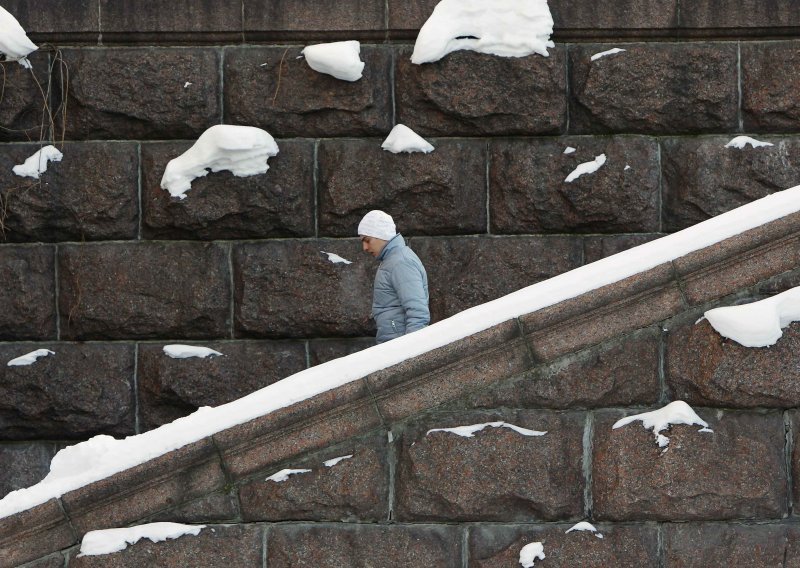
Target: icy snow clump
335, 258
403, 139
741, 141
677, 412
469, 431
586, 168
758, 324
177, 351
30, 358
613, 51
340, 59
113, 540
334, 461
37, 164
242, 150
585, 526
531, 552
14, 42
509, 28
284, 474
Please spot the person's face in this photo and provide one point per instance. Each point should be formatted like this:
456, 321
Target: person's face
372, 245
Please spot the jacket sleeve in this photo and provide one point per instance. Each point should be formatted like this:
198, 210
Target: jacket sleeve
410, 287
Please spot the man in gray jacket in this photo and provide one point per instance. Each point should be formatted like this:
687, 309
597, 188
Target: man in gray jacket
400, 295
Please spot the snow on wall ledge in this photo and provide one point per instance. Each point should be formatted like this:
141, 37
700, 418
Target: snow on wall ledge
103, 456
758, 324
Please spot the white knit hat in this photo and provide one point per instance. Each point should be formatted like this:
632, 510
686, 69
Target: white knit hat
377, 224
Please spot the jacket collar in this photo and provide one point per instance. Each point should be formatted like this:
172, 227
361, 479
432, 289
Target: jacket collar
395, 242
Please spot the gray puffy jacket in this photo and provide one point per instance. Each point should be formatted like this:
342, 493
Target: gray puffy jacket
400, 298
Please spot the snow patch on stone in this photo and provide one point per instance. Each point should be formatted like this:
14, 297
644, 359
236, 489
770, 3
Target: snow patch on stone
469, 431
677, 412
758, 324
334, 461
335, 258
586, 168
531, 552
339, 59
37, 164
612, 51
741, 141
585, 526
14, 42
29, 358
569, 150
284, 474
107, 541
177, 351
403, 139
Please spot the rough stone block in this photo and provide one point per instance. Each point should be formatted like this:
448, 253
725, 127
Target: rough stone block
740, 15
465, 272
654, 88
409, 15
596, 248
118, 291
626, 17
324, 350
474, 94
794, 417
23, 465
291, 289
234, 546
702, 178
56, 560
64, 19
214, 507
157, 103
329, 19
696, 478
499, 474
91, 194
279, 203
28, 292
770, 79
441, 193
621, 373
170, 388
692, 545
353, 489
271, 88
349, 546
499, 546
23, 106
704, 368
529, 192
34, 533
82, 390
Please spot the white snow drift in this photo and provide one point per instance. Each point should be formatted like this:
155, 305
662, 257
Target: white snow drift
586, 168
14, 42
177, 351
36, 165
284, 474
469, 431
758, 324
340, 59
403, 139
741, 141
335, 258
612, 51
334, 461
30, 358
677, 412
531, 552
242, 150
509, 28
584, 526
113, 540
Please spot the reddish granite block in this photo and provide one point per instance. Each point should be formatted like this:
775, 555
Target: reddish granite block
171, 388
328, 19
352, 545
696, 478
654, 88
34, 533
92, 194
82, 390
324, 350
739, 15
498, 474
474, 94
353, 489
67, 20
157, 103
442, 193
596, 248
529, 192
212, 508
220, 205
28, 292
271, 88
144, 290
621, 18
498, 546
23, 465
23, 105
691, 545
770, 79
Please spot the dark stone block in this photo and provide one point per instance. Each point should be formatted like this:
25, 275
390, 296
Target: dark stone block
23, 105
794, 417
28, 292
214, 507
23, 465
291, 289
409, 15
91, 194
271, 88
625, 17
34, 533
56, 560
65, 19
234, 546
740, 15
114, 291
324, 350
157, 103
466, 272
502, 475
499, 546
770, 80
220, 205
692, 545
441, 193
696, 478
654, 88
624, 373
530, 194
596, 248
331, 19
351, 546
702, 178
353, 489
475, 94
704, 368
170, 388
82, 390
